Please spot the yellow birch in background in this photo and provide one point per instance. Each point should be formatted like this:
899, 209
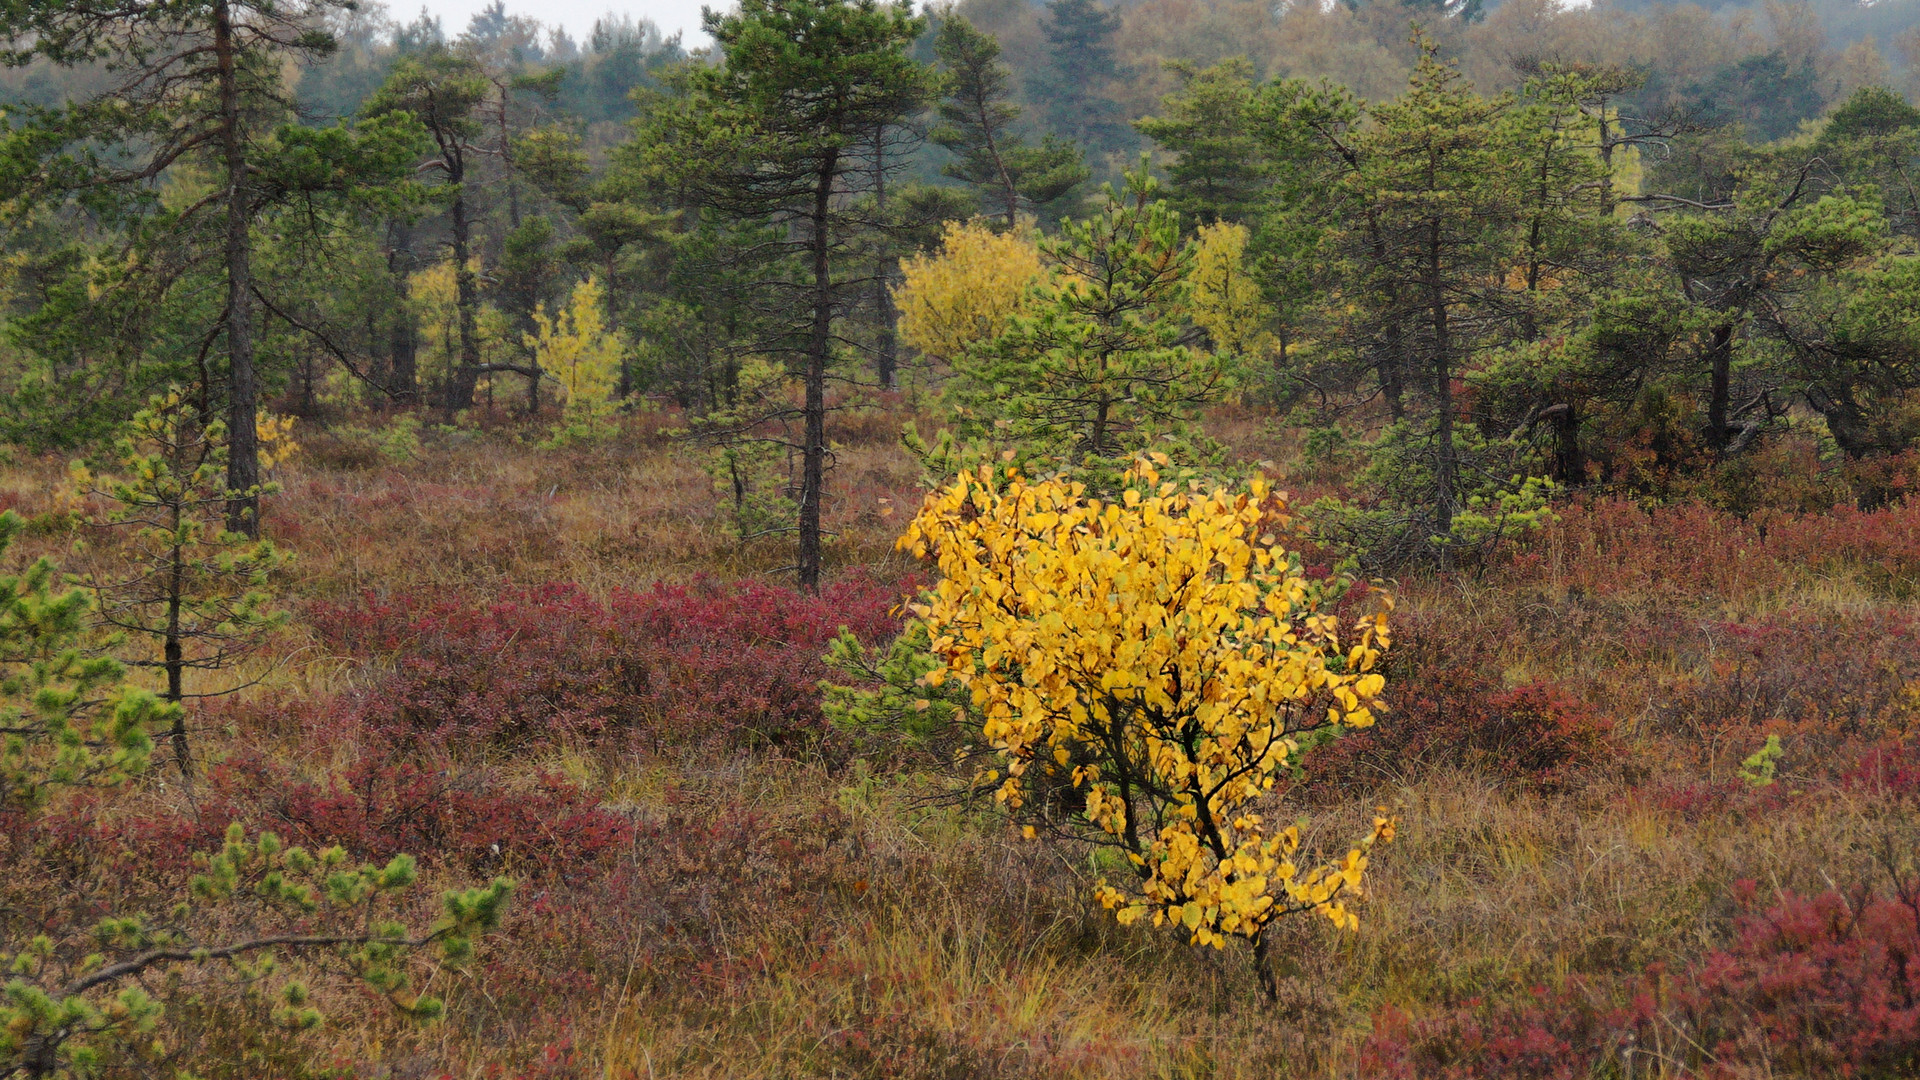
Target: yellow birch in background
969, 292
577, 349
1224, 299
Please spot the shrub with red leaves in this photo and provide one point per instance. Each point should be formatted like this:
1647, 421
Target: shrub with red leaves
452, 815
1839, 675
1612, 546
1453, 717
1814, 986
1554, 1036
1890, 771
675, 665
1822, 986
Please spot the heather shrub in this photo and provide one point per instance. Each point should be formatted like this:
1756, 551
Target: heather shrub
1816, 986
1609, 547
693, 909
1452, 716
1834, 675
1552, 1035
676, 665
1811, 986
464, 817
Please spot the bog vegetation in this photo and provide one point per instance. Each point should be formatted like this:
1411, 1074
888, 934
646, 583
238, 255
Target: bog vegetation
1182, 539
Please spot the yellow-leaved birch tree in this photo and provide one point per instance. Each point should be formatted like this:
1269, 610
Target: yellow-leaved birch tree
578, 350
1145, 667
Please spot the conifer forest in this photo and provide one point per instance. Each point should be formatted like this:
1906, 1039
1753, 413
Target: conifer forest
976, 540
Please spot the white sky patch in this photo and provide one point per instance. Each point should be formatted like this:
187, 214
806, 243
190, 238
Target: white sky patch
577, 16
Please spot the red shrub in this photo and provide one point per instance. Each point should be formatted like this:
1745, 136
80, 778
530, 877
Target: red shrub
1890, 771
1823, 986
1820, 986
1454, 717
674, 665
1837, 681
1732, 801
1612, 546
451, 815
688, 911
1555, 1036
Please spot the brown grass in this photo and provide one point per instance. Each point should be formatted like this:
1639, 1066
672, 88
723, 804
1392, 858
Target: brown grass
916, 938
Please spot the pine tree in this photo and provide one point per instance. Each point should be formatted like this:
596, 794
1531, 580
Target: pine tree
1219, 172
444, 91
1438, 209
192, 83
1082, 68
772, 134
1099, 364
1409, 210
978, 125
174, 578
68, 718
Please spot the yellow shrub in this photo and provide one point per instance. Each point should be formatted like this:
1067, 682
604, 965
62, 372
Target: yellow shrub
577, 348
1145, 668
1225, 301
967, 294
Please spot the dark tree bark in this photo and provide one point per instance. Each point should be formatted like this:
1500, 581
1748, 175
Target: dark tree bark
886, 342
813, 459
403, 372
467, 298
1720, 357
243, 389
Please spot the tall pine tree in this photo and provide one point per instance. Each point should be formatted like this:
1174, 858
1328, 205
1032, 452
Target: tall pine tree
1219, 172
1082, 69
775, 131
979, 126
194, 82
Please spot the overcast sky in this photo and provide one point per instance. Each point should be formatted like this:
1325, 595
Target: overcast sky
576, 15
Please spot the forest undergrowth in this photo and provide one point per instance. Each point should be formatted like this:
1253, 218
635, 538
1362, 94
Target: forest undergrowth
558, 665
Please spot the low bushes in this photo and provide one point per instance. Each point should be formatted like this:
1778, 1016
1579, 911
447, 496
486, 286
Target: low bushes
464, 817
1825, 985
1812, 986
677, 665
1547, 1036
1608, 547
1834, 675
1453, 716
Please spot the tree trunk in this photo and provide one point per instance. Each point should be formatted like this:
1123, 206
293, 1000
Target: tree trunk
403, 377
1009, 190
175, 656
243, 389
1389, 370
1391, 365
625, 389
1720, 355
813, 460
1566, 447
886, 347
1606, 162
1446, 469
467, 375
